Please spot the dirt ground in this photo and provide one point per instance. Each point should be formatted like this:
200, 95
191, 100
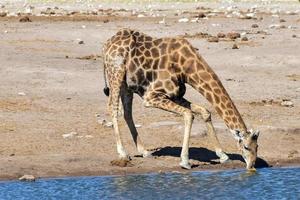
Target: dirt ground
51, 85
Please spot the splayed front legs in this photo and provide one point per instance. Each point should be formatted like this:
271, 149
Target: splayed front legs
206, 116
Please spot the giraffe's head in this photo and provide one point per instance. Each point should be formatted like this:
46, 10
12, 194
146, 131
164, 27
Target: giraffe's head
247, 143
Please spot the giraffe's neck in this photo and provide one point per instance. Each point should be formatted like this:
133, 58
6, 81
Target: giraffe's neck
208, 84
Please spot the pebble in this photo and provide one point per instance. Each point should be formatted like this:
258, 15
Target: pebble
291, 27
79, 41
29, 178
3, 14
282, 26
69, 135
235, 46
274, 26
233, 35
25, 19
287, 103
201, 15
21, 93
254, 26
105, 123
282, 20
221, 35
213, 39
138, 125
244, 38
183, 20
163, 21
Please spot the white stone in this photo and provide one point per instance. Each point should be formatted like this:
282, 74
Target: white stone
183, 20
287, 103
138, 125
163, 21
195, 20
140, 15
21, 93
69, 135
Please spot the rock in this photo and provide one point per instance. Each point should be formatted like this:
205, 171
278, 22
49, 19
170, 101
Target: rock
254, 25
25, 19
294, 36
213, 39
291, 27
201, 15
21, 93
2, 6
183, 20
69, 135
163, 21
3, 14
272, 26
244, 38
282, 20
235, 46
105, 21
282, 26
233, 35
140, 15
138, 125
221, 35
79, 41
88, 136
105, 123
29, 178
287, 103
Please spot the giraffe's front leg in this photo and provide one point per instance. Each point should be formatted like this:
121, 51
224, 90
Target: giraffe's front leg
127, 99
115, 98
206, 116
161, 101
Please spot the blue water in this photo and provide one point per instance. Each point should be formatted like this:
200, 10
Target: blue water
267, 183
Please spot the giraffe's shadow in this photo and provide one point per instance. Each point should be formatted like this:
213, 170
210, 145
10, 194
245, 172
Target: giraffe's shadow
204, 155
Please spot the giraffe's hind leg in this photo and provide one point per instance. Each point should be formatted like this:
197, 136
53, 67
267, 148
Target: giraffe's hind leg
127, 98
206, 116
159, 100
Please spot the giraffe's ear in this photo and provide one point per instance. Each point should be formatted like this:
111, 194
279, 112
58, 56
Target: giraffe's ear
254, 134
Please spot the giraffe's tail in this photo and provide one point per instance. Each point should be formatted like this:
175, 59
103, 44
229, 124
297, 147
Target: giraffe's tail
106, 88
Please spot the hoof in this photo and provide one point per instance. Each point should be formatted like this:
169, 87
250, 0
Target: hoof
223, 157
185, 165
147, 154
124, 157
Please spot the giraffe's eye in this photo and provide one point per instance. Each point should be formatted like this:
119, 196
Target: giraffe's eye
247, 148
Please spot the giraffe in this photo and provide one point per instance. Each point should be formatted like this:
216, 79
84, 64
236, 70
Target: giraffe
157, 69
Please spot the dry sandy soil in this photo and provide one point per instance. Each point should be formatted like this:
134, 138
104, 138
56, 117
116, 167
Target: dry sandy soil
46, 90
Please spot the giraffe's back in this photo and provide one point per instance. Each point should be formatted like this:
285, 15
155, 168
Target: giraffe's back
160, 64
